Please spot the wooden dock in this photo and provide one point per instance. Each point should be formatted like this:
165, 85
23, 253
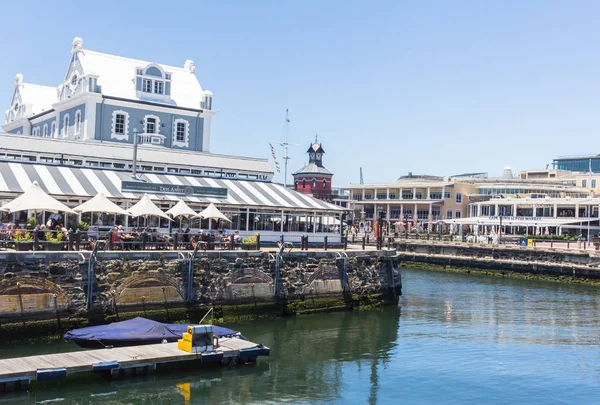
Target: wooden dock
16, 373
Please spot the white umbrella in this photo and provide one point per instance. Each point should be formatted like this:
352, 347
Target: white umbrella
181, 209
212, 212
35, 199
100, 204
145, 207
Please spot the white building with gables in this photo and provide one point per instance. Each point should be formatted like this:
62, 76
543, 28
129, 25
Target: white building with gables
108, 98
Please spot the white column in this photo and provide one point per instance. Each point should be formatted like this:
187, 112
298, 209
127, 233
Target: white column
478, 210
247, 219
315, 222
415, 216
282, 218
388, 216
428, 193
207, 117
555, 211
414, 192
496, 212
375, 194
576, 210
363, 194
387, 193
400, 195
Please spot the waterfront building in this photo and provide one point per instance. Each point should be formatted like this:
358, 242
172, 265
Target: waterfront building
314, 178
423, 201
78, 139
583, 163
109, 98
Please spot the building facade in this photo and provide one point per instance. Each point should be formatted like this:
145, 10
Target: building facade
314, 178
108, 98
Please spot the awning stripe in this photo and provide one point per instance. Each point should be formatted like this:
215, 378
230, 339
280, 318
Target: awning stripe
116, 181
289, 195
273, 193
9, 178
72, 181
256, 193
3, 185
213, 183
60, 180
20, 175
112, 189
48, 180
239, 192
96, 183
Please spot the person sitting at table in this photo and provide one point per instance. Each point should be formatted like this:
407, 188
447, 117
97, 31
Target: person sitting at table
115, 238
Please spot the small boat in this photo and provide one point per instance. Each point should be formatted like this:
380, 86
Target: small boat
136, 331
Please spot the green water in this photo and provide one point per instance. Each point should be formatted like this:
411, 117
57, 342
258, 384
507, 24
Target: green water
454, 338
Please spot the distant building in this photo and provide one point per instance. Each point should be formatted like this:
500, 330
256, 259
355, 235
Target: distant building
314, 178
578, 163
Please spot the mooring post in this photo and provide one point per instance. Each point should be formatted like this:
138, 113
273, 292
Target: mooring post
55, 296
258, 241
363, 243
346, 242
36, 240
325, 242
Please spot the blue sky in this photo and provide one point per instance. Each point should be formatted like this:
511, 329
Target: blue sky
391, 86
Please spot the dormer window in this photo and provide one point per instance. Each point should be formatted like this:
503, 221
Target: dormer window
147, 86
158, 87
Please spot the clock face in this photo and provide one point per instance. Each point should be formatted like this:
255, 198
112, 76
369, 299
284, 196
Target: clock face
312, 155
318, 156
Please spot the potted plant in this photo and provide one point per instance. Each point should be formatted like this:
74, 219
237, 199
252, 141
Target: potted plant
54, 243
249, 243
82, 226
23, 241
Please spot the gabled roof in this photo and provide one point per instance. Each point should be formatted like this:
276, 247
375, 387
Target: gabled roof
312, 168
117, 77
37, 98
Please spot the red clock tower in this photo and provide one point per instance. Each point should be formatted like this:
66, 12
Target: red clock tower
314, 178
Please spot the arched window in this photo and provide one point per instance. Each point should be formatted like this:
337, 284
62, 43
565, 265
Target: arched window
324, 183
296, 185
314, 183
77, 122
303, 183
53, 129
45, 130
65, 128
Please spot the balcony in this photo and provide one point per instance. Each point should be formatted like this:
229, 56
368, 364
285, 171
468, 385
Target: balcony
148, 138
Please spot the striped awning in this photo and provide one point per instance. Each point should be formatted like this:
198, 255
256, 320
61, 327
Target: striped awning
71, 181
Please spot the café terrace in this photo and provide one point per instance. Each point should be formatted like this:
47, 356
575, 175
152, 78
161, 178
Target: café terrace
253, 207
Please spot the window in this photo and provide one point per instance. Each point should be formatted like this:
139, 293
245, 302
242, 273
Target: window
45, 130
381, 196
324, 183
158, 87
53, 129
77, 122
418, 195
120, 125
593, 183
303, 183
458, 214
583, 183
448, 214
459, 198
65, 129
151, 126
368, 196
392, 196
181, 133
36, 131
147, 86
296, 185
447, 194
314, 183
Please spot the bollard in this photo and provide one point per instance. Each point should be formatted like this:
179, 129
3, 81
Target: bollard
144, 236
551, 244
346, 243
36, 240
176, 241
109, 240
258, 242
363, 243
367, 238
325, 242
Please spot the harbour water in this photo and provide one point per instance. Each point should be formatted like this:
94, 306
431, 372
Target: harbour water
454, 339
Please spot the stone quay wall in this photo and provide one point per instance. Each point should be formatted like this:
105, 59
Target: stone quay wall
48, 285
526, 260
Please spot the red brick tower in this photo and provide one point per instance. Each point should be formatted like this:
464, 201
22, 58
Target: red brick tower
314, 178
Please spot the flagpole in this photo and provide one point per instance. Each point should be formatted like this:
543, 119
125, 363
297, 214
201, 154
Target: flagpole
285, 147
588, 207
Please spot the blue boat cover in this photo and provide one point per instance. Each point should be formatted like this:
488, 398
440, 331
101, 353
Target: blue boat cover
139, 329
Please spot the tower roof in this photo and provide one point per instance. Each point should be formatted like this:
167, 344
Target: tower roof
316, 148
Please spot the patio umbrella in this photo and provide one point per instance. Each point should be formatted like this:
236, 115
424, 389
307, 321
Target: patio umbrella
212, 212
35, 199
181, 209
145, 207
100, 204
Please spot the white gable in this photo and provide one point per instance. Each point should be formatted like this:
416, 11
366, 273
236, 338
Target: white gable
117, 77
37, 98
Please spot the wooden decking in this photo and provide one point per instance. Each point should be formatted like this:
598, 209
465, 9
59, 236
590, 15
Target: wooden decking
127, 357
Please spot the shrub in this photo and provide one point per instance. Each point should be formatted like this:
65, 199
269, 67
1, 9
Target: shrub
249, 240
23, 237
82, 226
52, 239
